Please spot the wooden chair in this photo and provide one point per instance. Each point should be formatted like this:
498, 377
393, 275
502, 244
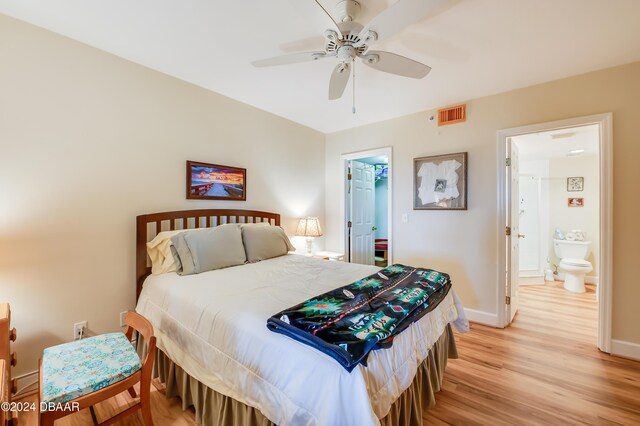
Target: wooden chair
89, 398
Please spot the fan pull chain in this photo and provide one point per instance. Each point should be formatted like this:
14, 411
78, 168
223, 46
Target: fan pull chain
353, 107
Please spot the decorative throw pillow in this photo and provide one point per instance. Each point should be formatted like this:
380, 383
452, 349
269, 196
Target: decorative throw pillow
265, 242
213, 248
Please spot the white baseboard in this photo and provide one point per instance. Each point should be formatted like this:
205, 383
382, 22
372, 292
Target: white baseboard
587, 279
26, 383
531, 280
481, 317
591, 280
625, 349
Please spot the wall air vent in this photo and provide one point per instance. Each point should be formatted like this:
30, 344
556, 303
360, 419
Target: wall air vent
452, 115
563, 135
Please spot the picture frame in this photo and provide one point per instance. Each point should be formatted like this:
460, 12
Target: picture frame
440, 182
215, 182
575, 184
575, 202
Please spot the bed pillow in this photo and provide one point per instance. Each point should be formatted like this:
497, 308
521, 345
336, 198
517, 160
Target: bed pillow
213, 248
182, 255
265, 242
159, 250
242, 225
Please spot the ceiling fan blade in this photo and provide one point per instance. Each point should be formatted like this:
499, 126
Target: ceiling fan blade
339, 79
293, 58
395, 64
395, 19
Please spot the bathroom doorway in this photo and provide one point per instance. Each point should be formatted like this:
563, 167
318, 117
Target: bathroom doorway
556, 209
559, 205
367, 177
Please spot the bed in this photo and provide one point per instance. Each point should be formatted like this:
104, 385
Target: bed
217, 354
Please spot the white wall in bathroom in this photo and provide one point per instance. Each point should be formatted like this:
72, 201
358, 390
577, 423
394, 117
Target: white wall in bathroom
567, 218
534, 217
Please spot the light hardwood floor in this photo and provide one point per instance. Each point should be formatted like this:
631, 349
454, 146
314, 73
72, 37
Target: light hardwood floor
544, 370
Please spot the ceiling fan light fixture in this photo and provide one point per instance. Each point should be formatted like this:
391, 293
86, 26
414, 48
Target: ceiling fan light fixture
346, 54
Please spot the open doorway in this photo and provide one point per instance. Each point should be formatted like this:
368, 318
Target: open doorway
555, 199
559, 207
367, 177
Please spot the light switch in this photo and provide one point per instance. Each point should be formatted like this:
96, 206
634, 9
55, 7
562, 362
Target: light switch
405, 218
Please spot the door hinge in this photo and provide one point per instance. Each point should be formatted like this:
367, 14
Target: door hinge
349, 224
349, 176
507, 230
508, 162
508, 300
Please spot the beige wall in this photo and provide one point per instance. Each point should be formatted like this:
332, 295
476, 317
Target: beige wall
466, 243
88, 141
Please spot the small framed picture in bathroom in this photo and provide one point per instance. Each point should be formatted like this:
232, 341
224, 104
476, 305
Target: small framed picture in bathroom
575, 184
576, 202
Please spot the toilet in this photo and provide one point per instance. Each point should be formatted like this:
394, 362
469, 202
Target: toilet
573, 262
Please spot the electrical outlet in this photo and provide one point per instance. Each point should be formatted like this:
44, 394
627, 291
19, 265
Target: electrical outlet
123, 315
78, 328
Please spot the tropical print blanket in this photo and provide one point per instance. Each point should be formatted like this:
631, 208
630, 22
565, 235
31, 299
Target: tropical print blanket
349, 322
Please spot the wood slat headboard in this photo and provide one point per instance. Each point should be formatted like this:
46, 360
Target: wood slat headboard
149, 225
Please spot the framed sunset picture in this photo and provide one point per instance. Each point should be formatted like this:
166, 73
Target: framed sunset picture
214, 182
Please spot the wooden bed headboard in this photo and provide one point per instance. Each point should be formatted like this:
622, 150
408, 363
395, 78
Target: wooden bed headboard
149, 225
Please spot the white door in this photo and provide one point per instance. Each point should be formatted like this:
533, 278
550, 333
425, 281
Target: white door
362, 212
513, 219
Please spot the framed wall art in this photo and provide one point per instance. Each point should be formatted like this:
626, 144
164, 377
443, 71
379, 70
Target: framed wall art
576, 202
214, 182
440, 182
575, 184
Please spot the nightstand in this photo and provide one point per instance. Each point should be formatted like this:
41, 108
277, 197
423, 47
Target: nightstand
329, 255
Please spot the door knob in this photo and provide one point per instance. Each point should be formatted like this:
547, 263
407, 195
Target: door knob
520, 235
373, 228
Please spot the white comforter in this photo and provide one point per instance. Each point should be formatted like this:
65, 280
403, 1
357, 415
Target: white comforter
214, 326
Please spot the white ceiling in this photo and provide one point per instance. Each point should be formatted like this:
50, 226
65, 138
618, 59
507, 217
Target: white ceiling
475, 47
558, 143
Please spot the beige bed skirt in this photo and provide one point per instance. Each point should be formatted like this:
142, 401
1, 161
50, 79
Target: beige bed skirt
214, 409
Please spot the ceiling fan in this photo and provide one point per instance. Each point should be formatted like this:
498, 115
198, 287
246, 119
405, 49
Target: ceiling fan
347, 40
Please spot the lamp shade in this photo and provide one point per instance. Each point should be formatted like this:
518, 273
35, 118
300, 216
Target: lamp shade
309, 227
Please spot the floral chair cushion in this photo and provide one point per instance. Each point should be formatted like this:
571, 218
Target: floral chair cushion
78, 368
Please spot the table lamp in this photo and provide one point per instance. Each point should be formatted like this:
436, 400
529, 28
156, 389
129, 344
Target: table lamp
309, 227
